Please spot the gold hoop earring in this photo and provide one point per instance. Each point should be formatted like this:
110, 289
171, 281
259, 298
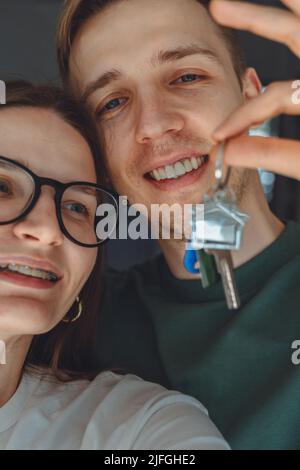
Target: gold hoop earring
78, 315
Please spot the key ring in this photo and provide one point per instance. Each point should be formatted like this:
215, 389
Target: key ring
219, 168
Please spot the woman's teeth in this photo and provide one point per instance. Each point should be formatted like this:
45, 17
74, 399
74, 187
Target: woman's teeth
178, 169
27, 271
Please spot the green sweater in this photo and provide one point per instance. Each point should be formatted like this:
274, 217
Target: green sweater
237, 363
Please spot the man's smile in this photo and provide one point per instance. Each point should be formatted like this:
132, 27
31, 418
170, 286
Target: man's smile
175, 176
180, 168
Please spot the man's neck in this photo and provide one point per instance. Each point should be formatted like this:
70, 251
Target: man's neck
260, 232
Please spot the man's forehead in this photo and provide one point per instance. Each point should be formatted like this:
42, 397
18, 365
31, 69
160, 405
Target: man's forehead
114, 33
126, 17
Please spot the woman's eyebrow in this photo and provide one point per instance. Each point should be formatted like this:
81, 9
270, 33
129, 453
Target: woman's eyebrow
23, 162
18, 160
160, 57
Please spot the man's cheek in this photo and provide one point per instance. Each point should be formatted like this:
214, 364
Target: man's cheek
202, 125
117, 176
207, 112
217, 108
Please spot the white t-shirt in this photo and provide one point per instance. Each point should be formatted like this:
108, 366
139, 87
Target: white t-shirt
113, 412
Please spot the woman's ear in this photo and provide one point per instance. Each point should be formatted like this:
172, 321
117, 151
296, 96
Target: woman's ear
252, 86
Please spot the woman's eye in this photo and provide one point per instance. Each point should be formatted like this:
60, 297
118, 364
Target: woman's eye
189, 77
77, 208
5, 188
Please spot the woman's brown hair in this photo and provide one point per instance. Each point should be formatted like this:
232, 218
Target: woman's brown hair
67, 351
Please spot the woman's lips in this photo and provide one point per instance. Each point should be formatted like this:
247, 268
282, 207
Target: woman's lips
180, 182
26, 281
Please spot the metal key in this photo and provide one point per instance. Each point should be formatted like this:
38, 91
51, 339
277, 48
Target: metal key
225, 268
223, 257
208, 269
221, 230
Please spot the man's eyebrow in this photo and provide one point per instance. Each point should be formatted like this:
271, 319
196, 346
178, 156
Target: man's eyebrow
101, 82
181, 52
160, 58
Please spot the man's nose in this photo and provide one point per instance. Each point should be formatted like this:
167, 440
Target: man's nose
156, 117
41, 224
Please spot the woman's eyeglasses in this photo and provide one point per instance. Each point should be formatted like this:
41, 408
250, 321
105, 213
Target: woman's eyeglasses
86, 213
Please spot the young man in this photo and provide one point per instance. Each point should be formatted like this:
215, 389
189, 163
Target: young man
159, 77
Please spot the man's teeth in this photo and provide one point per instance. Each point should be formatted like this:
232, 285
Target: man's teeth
178, 169
28, 271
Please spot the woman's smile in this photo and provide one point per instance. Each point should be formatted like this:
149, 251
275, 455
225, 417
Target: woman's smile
29, 272
12, 276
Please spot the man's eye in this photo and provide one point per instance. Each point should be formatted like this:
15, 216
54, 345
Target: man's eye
111, 105
189, 77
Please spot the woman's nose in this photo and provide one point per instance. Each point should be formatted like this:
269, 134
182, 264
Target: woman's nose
41, 224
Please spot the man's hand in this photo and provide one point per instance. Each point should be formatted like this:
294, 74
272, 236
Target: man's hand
278, 155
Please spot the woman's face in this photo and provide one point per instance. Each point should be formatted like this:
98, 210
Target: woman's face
42, 141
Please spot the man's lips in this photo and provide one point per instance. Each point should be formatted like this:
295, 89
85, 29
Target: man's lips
176, 184
172, 160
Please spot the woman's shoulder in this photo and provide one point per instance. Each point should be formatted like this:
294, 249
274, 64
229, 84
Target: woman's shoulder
116, 411
127, 386
128, 394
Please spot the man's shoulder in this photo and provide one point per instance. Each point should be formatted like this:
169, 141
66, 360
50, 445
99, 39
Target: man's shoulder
289, 242
145, 272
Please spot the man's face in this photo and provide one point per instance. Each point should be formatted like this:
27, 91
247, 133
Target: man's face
158, 80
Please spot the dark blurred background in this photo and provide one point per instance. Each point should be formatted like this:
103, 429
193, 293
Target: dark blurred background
27, 50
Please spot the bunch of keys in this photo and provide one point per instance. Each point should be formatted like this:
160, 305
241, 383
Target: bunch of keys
220, 232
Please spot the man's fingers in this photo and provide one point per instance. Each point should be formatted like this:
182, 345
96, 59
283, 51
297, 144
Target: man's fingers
280, 156
279, 98
293, 5
272, 23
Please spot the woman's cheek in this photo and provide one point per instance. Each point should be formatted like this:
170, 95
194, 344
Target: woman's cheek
90, 257
81, 262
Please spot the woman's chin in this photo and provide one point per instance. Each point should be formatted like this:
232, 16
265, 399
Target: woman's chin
23, 316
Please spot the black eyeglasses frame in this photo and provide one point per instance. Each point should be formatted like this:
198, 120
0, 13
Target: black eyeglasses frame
60, 189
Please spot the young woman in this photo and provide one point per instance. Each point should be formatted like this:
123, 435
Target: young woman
50, 280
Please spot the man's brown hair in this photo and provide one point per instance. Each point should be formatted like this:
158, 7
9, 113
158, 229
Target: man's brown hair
76, 13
